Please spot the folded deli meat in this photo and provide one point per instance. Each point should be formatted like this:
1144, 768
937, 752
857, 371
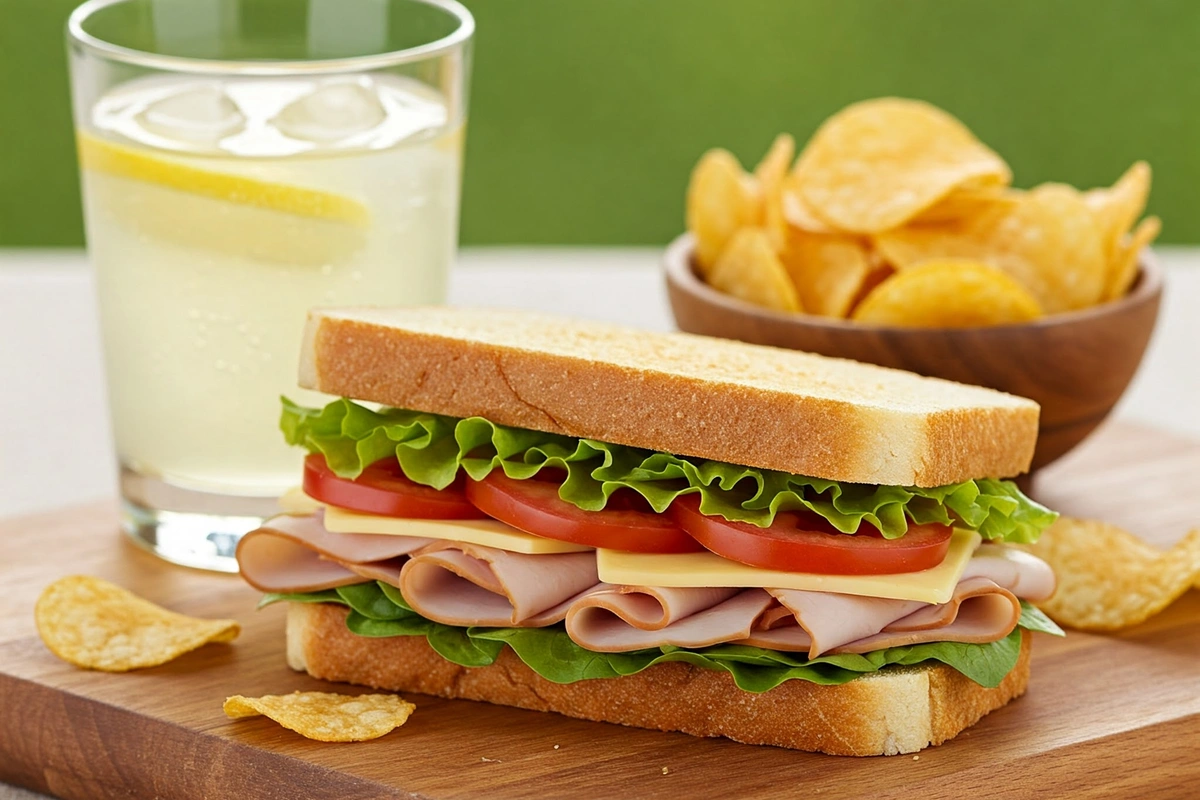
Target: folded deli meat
463, 584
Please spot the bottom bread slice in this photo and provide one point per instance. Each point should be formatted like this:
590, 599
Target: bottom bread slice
896, 710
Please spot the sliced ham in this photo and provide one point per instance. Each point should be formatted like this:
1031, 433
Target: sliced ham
776, 616
1021, 573
619, 619
981, 612
977, 591
651, 608
789, 638
387, 571
832, 620
296, 554
464, 584
468, 584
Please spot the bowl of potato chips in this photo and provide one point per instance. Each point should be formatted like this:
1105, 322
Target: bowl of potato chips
895, 238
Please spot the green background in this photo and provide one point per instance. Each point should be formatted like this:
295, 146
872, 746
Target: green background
588, 114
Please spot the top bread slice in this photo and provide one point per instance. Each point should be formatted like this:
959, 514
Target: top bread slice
691, 395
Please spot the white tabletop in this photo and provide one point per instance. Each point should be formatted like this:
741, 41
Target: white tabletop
55, 446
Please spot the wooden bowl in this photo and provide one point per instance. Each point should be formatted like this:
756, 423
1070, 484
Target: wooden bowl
1075, 365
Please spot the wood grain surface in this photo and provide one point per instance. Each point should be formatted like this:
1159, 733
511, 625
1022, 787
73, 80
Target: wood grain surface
1105, 716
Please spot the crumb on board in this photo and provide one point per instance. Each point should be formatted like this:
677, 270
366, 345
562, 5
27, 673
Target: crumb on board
489, 760
555, 747
916, 758
665, 770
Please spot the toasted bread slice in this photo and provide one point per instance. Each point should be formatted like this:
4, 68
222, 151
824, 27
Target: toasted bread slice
710, 398
896, 710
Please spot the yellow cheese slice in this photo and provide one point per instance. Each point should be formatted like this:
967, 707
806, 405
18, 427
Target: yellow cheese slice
934, 585
486, 532
295, 501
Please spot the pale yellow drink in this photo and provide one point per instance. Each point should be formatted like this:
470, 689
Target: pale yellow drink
218, 212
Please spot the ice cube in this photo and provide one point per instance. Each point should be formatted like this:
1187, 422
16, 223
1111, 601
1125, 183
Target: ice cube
199, 115
332, 112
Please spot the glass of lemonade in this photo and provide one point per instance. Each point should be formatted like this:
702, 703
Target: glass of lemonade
243, 161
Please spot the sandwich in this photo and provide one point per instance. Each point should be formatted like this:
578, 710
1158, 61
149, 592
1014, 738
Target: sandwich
659, 530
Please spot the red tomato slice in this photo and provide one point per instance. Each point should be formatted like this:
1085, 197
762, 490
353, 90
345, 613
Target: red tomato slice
807, 543
534, 506
383, 489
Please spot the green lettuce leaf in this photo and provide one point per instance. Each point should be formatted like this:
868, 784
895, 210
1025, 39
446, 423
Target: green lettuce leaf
377, 609
431, 449
326, 596
1034, 619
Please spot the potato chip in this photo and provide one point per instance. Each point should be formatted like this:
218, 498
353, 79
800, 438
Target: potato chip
1047, 240
325, 716
774, 166
965, 202
750, 270
796, 210
769, 175
721, 199
948, 294
1108, 578
828, 270
879, 272
774, 223
95, 624
1125, 262
879, 163
1116, 209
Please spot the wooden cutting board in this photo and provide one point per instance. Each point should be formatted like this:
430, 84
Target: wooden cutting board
1104, 715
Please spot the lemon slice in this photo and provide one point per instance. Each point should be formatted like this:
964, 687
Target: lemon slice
126, 162
161, 202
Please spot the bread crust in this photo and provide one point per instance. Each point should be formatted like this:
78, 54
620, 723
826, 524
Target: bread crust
898, 710
678, 393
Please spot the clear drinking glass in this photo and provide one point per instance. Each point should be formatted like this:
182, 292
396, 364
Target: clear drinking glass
243, 161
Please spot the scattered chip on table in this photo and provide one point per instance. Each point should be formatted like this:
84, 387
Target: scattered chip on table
948, 294
1108, 578
326, 716
95, 624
